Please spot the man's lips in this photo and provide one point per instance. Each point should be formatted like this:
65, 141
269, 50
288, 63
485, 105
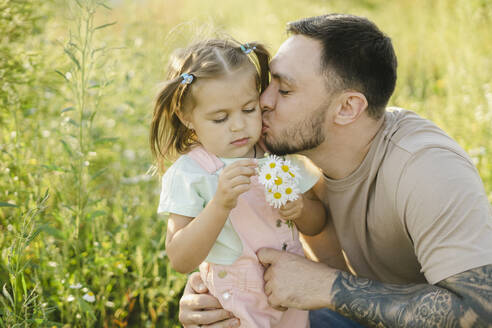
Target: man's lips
264, 127
240, 142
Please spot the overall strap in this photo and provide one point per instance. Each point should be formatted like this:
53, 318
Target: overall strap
209, 162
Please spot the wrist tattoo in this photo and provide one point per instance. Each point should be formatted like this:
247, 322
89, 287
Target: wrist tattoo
461, 300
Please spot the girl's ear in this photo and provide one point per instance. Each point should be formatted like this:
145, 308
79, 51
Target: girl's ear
352, 104
184, 121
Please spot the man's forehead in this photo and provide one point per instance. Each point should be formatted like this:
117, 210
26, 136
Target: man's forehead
297, 54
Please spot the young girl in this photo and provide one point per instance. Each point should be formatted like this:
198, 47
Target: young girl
208, 111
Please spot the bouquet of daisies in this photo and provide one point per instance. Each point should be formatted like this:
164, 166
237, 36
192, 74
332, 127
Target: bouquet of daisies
280, 178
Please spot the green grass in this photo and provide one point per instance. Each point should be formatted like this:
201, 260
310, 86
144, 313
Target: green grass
76, 206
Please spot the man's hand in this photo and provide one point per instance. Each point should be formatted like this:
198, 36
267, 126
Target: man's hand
197, 308
233, 181
292, 210
293, 281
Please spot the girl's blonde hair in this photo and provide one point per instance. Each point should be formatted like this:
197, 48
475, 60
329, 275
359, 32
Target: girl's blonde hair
203, 60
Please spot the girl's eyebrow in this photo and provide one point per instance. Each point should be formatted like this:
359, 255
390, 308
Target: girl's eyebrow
225, 109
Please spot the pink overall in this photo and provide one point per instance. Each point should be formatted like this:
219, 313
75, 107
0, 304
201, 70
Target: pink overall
240, 286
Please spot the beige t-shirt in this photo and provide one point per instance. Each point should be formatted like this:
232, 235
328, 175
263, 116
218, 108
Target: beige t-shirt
415, 210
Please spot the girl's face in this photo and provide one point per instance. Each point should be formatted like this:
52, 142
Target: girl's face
227, 116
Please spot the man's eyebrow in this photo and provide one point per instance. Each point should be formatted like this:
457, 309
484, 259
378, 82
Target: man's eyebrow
283, 78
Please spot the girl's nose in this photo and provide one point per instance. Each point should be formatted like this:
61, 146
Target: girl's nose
237, 124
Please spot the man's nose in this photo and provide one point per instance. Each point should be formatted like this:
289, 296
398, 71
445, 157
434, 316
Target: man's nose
267, 99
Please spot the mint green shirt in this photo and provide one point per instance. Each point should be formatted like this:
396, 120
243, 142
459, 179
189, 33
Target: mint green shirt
187, 188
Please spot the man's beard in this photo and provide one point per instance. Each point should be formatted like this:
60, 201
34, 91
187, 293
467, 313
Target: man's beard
306, 135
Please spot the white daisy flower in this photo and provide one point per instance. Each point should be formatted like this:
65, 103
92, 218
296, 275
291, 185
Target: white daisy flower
89, 297
291, 192
280, 179
288, 169
70, 298
266, 177
76, 286
276, 198
273, 162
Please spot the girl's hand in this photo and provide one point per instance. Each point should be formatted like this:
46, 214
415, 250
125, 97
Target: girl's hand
233, 181
292, 210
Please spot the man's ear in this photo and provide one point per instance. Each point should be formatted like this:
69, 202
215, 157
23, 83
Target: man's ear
352, 104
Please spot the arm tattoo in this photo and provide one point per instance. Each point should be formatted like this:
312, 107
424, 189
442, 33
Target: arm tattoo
463, 300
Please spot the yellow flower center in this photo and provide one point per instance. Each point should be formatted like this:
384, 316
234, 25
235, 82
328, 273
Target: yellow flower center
268, 176
285, 168
277, 195
288, 191
272, 165
278, 181
90, 293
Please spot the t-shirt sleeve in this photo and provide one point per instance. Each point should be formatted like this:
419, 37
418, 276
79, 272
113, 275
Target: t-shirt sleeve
179, 194
446, 212
309, 173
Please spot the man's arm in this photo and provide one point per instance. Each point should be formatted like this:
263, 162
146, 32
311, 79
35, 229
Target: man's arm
197, 308
463, 300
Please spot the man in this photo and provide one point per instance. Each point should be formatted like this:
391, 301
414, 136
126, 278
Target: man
406, 203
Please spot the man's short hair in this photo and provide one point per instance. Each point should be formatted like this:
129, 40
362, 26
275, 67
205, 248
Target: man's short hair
356, 50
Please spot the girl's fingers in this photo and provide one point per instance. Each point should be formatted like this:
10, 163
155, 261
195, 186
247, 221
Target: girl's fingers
242, 167
290, 211
238, 190
239, 180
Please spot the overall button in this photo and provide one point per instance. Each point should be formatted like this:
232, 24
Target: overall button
222, 274
226, 295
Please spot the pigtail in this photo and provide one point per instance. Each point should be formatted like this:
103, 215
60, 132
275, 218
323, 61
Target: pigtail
263, 57
168, 134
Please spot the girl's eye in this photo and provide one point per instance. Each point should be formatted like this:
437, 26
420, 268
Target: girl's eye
283, 92
220, 120
251, 110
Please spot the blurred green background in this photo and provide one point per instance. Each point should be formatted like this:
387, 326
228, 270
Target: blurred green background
81, 243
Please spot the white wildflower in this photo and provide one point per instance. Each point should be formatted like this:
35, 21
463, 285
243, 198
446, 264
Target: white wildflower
129, 154
280, 178
276, 198
266, 176
70, 298
291, 192
76, 286
89, 297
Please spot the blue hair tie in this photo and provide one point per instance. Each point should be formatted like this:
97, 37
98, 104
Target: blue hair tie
187, 78
246, 48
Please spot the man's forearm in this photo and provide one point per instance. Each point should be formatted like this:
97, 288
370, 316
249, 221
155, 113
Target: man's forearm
460, 301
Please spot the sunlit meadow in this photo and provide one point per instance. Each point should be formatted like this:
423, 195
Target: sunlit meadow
81, 243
